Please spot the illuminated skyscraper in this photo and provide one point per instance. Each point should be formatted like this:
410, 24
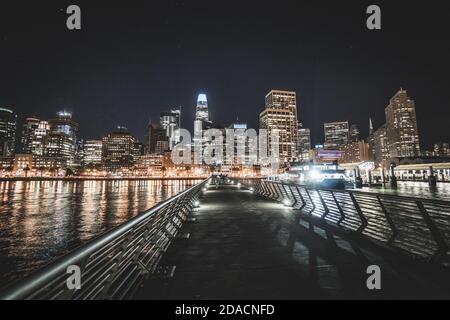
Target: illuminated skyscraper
441, 149
62, 139
8, 123
171, 122
201, 111
304, 143
157, 140
28, 129
380, 146
92, 153
401, 126
336, 135
280, 114
117, 149
40, 137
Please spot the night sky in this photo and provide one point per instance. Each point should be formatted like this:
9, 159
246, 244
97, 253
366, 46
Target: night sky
135, 59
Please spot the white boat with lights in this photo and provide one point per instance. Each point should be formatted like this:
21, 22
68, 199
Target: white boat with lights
318, 175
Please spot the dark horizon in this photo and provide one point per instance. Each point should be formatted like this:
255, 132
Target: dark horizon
129, 63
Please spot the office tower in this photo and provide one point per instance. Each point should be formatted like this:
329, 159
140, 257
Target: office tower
240, 155
336, 135
201, 123
157, 140
170, 122
201, 111
379, 145
280, 115
441, 149
304, 143
354, 133
401, 126
39, 140
8, 123
92, 153
62, 139
355, 152
117, 150
138, 150
28, 129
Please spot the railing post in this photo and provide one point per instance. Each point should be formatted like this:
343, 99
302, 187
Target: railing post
293, 196
437, 236
312, 202
324, 215
364, 222
301, 197
389, 220
341, 212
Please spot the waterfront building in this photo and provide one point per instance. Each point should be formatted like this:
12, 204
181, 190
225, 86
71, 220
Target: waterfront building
321, 155
8, 123
401, 126
355, 152
23, 163
62, 139
149, 165
92, 153
441, 149
379, 145
117, 150
280, 115
138, 150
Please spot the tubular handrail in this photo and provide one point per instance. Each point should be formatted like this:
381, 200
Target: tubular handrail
418, 226
386, 195
45, 276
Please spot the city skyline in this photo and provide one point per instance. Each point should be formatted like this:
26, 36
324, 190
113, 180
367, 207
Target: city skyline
347, 79
193, 110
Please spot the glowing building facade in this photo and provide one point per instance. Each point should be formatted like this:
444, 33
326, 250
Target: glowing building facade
8, 123
280, 115
401, 126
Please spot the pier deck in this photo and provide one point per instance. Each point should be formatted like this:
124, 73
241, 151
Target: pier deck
244, 246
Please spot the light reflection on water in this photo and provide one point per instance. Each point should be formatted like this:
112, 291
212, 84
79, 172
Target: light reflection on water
41, 220
416, 189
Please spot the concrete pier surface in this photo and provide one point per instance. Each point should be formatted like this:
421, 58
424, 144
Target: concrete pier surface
243, 246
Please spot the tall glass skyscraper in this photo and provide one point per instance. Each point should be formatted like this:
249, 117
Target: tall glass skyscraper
202, 108
401, 126
61, 142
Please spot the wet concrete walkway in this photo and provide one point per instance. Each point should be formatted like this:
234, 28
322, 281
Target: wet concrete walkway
243, 246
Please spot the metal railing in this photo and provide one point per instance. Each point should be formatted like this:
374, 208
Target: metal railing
115, 264
418, 226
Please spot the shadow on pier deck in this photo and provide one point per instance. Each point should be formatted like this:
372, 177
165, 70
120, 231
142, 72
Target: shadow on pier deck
243, 246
